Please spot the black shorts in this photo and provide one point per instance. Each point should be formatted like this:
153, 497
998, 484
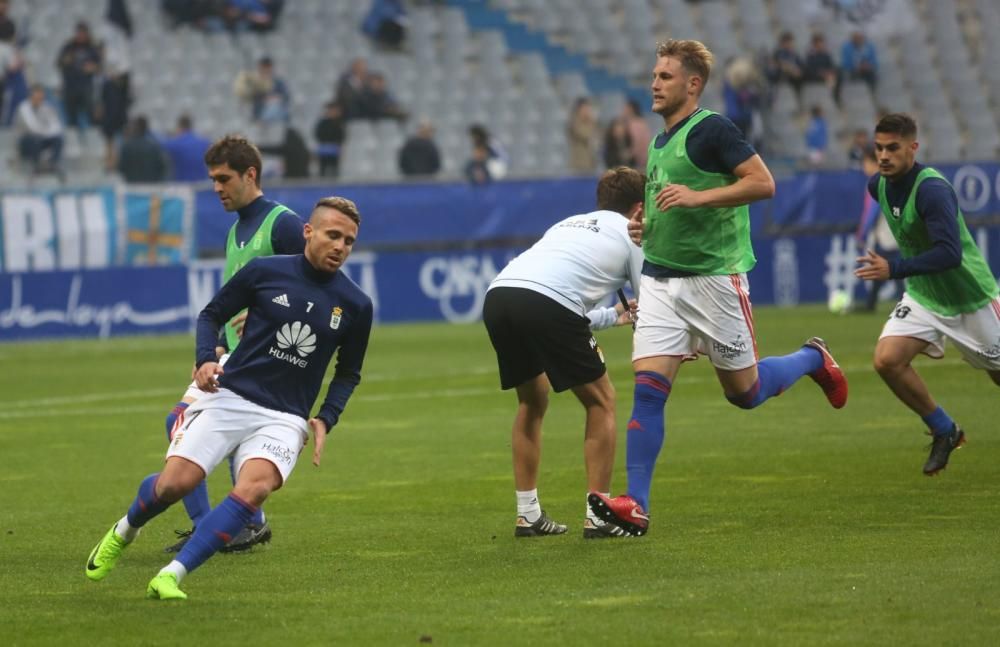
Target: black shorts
532, 334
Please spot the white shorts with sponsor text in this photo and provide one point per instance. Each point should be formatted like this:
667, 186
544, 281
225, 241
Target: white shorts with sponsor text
975, 334
691, 315
224, 423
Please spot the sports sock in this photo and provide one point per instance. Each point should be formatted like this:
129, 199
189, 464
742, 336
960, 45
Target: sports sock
125, 530
939, 422
646, 430
215, 530
590, 513
176, 568
528, 505
777, 374
258, 517
146, 505
172, 417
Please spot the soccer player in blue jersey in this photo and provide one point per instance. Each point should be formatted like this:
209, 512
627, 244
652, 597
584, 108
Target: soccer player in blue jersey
302, 310
694, 299
263, 228
950, 291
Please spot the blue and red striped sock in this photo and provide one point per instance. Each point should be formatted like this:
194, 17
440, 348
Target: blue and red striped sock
223, 523
777, 374
646, 431
146, 505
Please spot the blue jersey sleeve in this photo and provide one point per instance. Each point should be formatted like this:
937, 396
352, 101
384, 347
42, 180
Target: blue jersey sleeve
234, 296
938, 208
716, 145
347, 374
286, 235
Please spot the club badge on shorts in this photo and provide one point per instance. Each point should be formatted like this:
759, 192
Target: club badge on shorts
335, 317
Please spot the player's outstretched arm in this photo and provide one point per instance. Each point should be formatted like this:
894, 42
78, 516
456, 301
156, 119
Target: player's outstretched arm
319, 438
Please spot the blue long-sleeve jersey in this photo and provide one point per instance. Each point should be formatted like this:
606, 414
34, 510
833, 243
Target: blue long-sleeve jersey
298, 318
938, 207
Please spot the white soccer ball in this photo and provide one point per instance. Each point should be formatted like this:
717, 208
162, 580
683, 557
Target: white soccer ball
839, 301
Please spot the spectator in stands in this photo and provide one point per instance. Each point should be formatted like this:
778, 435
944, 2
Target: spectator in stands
330, 133
859, 61
186, 151
254, 15
7, 28
618, 145
785, 64
741, 91
141, 158
351, 88
638, 132
11, 65
819, 65
420, 154
377, 102
861, 146
41, 132
116, 63
817, 136
79, 62
581, 136
266, 93
293, 153
496, 160
201, 14
477, 169
385, 23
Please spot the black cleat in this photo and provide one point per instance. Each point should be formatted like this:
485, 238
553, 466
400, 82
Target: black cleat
183, 536
601, 530
941, 448
248, 538
543, 526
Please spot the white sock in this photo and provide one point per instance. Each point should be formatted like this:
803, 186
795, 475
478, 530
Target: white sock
528, 506
590, 513
177, 569
125, 531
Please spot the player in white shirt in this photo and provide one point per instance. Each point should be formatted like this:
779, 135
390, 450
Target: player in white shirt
540, 311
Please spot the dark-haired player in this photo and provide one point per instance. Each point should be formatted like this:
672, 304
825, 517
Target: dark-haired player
950, 291
302, 310
263, 227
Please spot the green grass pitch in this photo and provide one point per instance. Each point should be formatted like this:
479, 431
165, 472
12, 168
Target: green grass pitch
793, 524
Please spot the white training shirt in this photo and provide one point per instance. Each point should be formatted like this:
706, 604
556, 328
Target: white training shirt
579, 262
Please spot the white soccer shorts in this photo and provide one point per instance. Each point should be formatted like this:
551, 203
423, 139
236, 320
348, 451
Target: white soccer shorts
224, 423
975, 334
708, 315
193, 391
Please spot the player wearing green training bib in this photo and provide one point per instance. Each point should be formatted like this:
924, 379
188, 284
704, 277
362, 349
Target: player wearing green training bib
263, 228
950, 291
694, 297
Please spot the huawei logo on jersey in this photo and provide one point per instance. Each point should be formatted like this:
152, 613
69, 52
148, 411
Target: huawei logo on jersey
297, 337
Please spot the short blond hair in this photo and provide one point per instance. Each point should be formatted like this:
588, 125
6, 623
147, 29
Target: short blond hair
694, 57
343, 205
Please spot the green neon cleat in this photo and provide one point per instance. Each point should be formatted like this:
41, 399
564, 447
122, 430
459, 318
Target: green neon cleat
164, 587
105, 555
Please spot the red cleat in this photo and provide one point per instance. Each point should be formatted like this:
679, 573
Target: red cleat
830, 378
623, 511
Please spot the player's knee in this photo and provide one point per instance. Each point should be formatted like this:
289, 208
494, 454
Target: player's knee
884, 364
172, 490
254, 492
